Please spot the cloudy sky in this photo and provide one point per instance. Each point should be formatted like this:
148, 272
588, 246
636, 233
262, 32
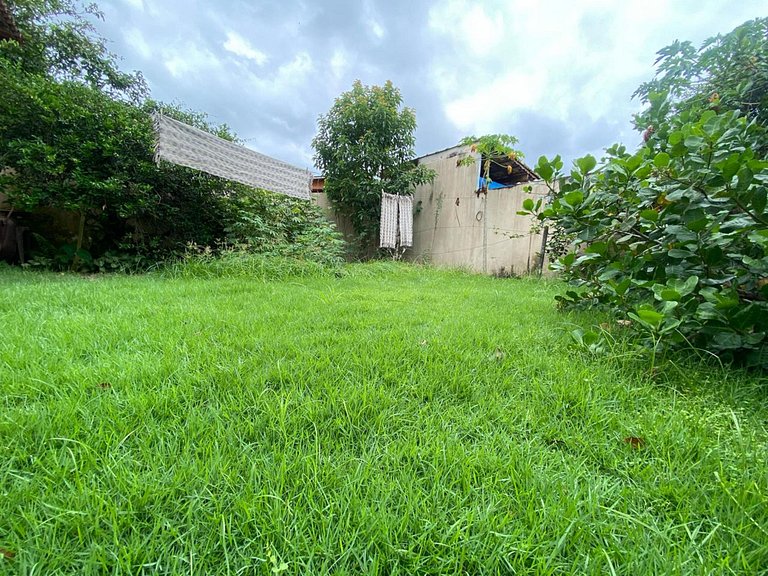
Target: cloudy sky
558, 74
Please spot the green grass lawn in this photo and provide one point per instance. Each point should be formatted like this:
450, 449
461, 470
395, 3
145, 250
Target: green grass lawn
392, 420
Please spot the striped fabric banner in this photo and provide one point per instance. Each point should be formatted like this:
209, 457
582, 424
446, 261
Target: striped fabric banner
405, 207
184, 145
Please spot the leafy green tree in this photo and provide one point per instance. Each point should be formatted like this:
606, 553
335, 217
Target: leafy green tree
60, 41
674, 236
728, 72
365, 147
76, 135
71, 147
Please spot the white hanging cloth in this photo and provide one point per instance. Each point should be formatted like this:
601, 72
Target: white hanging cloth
396, 226
388, 225
185, 145
405, 218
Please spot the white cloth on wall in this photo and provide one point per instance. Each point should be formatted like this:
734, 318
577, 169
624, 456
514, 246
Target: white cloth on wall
405, 218
388, 225
184, 145
396, 226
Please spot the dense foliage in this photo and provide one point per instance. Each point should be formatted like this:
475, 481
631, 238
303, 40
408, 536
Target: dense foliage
61, 42
365, 147
675, 234
76, 137
728, 72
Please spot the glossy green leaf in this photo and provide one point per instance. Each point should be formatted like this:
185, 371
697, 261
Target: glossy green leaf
759, 200
675, 137
730, 166
597, 248
643, 171
574, 198
544, 169
586, 164
648, 316
727, 340
693, 142
528, 204
651, 215
661, 160
688, 286
677, 253
623, 286
745, 177
670, 294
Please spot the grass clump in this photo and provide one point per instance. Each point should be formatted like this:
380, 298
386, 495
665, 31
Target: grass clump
394, 420
234, 263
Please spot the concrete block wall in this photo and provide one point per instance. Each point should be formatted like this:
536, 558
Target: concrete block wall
449, 227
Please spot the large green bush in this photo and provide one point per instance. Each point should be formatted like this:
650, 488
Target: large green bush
60, 41
674, 236
76, 135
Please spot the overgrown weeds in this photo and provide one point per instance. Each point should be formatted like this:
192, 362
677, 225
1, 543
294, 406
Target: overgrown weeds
202, 262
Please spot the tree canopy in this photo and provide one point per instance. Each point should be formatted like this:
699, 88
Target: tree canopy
729, 71
60, 41
365, 147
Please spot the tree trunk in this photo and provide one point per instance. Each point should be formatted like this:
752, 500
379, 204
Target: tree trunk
79, 245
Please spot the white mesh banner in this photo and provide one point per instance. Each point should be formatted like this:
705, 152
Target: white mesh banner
184, 145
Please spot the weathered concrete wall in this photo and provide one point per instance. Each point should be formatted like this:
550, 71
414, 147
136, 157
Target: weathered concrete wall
449, 227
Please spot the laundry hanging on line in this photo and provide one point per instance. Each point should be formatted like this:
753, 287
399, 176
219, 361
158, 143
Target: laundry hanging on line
185, 145
396, 227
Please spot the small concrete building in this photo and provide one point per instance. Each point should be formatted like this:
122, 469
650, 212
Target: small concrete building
462, 221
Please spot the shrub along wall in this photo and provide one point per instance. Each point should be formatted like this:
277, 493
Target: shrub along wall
674, 236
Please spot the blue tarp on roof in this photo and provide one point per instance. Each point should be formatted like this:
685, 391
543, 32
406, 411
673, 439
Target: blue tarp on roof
493, 185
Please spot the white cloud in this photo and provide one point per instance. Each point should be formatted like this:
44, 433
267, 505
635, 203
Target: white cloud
238, 45
376, 29
189, 59
137, 4
372, 20
561, 59
475, 29
558, 74
479, 111
136, 40
284, 87
339, 63
295, 70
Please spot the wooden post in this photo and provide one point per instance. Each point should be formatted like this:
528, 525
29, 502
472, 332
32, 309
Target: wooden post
543, 253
